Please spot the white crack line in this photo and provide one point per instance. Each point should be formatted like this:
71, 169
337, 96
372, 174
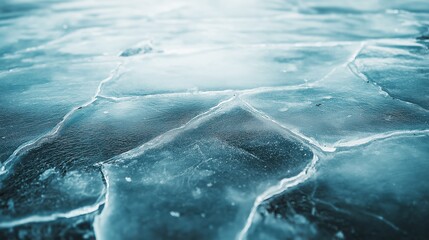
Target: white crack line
281, 187
5, 166
54, 216
170, 135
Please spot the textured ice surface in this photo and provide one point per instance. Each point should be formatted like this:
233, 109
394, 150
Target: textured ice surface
231, 68
341, 110
223, 119
64, 165
397, 69
376, 191
206, 178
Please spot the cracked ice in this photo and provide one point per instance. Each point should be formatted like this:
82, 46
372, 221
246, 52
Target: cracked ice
214, 119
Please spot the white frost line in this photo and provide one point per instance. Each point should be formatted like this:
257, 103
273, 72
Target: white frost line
345, 64
273, 89
54, 131
296, 133
382, 219
48, 218
356, 53
210, 93
97, 220
282, 186
366, 140
173, 133
169, 95
102, 200
355, 70
338, 144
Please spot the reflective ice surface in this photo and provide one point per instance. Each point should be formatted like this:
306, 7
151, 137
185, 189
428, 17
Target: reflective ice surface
223, 119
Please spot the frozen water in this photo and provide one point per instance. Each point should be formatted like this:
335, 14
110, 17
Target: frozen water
56, 165
397, 68
361, 110
31, 108
206, 178
223, 119
229, 68
375, 191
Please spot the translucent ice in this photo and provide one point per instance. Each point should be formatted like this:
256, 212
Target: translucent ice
375, 191
224, 119
206, 178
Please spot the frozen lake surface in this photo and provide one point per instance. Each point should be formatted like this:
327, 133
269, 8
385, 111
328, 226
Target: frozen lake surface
224, 119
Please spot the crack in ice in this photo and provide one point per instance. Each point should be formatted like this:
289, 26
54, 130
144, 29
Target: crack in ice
96, 222
378, 217
173, 133
312, 142
54, 216
34, 143
209, 93
384, 220
81, 211
375, 137
355, 70
272, 191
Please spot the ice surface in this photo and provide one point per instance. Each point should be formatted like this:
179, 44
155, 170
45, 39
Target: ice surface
58, 88
229, 68
206, 178
375, 191
63, 169
360, 110
397, 68
223, 119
